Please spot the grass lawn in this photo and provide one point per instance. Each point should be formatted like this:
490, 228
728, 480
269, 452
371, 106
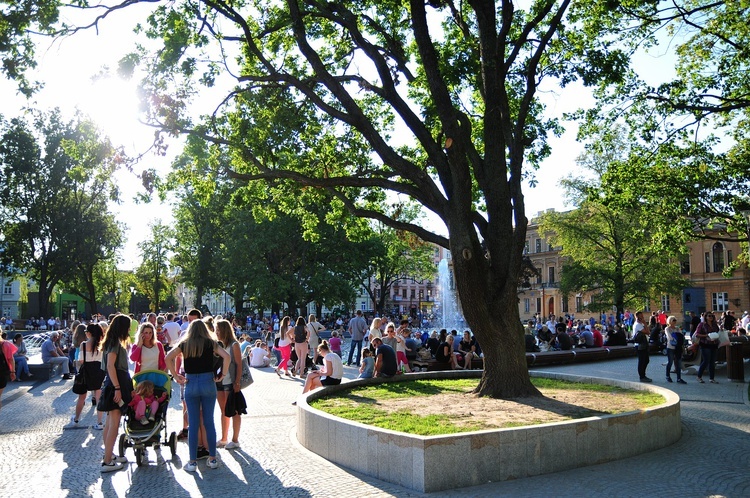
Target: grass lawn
446, 406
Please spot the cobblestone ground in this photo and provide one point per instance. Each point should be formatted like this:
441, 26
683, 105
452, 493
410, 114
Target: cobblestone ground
39, 458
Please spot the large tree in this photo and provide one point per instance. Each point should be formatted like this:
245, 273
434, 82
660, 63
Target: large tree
55, 185
434, 101
156, 251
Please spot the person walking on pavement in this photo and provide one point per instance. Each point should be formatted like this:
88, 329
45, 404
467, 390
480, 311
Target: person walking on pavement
641, 338
708, 347
357, 329
675, 340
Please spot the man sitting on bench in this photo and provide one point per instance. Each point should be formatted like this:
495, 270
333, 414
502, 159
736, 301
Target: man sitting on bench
52, 354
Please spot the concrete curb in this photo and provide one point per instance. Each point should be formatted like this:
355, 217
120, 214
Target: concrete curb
428, 463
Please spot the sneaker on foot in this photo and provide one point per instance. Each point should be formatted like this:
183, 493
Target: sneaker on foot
221, 443
182, 435
151, 418
143, 421
111, 467
669, 379
212, 463
98, 426
72, 424
713, 381
119, 459
202, 453
67, 377
191, 466
680, 381
231, 445
646, 379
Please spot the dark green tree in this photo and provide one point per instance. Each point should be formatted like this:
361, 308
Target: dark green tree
367, 100
156, 251
55, 184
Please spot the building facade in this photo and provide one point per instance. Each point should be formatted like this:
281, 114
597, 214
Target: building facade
703, 266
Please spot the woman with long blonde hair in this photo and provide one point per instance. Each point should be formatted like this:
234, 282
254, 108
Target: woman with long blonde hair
231, 382
198, 349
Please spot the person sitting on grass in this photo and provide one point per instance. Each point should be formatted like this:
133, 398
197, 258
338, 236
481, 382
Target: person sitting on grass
385, 359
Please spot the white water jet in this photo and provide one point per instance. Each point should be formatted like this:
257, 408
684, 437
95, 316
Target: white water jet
450, 308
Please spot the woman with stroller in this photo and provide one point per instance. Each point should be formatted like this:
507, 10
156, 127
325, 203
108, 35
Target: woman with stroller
89, 359
117, 382
231, 383
147, 353
198, 350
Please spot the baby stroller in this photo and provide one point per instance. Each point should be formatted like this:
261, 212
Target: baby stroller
138, 436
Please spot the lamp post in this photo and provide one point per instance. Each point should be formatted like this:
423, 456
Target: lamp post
132, 296
59, 302
746, 215
184, 310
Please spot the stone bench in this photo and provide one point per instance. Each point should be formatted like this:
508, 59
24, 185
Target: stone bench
39, 369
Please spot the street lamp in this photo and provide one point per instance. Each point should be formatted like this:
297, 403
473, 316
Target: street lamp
132, 296
59, 301
184, 310
746, 215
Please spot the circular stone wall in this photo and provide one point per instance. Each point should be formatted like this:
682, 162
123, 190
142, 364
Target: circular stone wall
429, 463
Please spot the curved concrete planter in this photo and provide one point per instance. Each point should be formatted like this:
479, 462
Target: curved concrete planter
434, 463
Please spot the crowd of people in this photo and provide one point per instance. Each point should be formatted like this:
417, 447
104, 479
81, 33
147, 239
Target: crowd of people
665, 332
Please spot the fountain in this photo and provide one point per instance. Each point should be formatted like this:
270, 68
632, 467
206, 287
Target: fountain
450, 308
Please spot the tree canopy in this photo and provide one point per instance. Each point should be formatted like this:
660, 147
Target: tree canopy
373, 103
55, 185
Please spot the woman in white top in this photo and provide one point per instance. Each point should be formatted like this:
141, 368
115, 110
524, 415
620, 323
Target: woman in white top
331, 373
314, 327
147, 353
89, 359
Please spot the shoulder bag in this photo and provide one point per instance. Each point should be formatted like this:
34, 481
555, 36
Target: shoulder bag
80, 386
247, 377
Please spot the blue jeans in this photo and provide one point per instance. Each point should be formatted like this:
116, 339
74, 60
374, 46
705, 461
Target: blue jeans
708, 359
200, 392
358, 345
22, 366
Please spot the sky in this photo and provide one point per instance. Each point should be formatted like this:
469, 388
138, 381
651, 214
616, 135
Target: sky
69, 67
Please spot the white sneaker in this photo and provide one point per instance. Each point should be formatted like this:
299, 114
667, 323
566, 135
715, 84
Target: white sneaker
191, 466
212, 463
97, 426
231, 445
72, 424
119, 459
112, 467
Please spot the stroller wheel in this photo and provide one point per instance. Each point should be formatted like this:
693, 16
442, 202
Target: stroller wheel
139, 456
173, 444
123, 443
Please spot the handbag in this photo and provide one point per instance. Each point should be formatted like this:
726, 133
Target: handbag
247, 377
80, 385
673, 342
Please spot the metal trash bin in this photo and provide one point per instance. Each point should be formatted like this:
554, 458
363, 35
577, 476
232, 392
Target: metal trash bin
735, 362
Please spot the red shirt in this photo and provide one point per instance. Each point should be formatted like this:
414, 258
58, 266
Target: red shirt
598, 338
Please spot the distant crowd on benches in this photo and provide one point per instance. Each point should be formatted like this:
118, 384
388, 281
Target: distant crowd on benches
564, 333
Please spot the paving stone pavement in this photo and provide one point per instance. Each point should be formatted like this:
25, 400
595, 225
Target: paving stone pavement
39, 458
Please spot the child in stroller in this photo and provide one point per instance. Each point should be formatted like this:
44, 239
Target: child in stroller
145, 402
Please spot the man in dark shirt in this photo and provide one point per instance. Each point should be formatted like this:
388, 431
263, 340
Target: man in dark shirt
385, 359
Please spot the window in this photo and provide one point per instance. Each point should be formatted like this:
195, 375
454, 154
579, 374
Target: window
729, 257
429, 294
720, 301
551, 274
403, 293
421, 294
647, 306
579, 304
539, 305
539, 275
665, 303
413, 293
718, 255
538, 245
708, 262
8, 289
565, 305
685, 264
526, 305
526, 247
